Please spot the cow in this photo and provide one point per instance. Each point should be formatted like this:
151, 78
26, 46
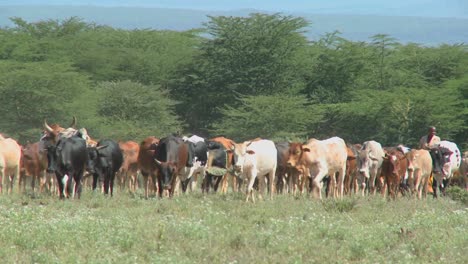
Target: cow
284, 173
447, 160
68, 159
173, 159
146, 164
394, 170
371, 157
419, 170
352, 169
198, 151
104, 161
129, 169
321, 158
256, 159
219, 165
10, 163
34, 164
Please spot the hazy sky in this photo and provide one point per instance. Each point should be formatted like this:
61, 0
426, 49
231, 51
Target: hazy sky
428, 8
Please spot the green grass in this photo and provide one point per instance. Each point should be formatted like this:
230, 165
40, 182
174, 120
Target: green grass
216, 228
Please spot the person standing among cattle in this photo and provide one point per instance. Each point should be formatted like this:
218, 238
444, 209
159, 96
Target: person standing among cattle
430, 140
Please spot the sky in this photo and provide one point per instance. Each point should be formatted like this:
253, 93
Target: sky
424, 8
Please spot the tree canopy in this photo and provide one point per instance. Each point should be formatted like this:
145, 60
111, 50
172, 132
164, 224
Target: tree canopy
243, 77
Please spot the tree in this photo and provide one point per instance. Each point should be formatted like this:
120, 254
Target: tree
276, 117
130, 110
252, 55
30, 92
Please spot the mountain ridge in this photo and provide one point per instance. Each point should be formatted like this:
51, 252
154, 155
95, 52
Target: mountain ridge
422, 30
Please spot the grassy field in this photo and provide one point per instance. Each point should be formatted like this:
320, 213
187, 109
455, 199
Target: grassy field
215, 228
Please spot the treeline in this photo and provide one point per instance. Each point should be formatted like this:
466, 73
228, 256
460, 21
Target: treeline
242, 77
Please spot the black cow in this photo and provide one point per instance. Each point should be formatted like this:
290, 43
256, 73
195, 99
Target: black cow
171, 156
440, 156
218, 167
197, 152
68, 159
104, 161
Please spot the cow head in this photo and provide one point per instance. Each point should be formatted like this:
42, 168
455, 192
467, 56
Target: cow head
412, 156
392, 161
167, 171
295, 153
240, 154
366, 160
96, 161
51, 157
53, 132
441, 160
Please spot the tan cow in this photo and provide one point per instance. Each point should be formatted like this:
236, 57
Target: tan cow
10, 161
419, 170
322, 158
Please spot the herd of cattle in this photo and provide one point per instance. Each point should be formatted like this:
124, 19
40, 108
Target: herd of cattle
175, 163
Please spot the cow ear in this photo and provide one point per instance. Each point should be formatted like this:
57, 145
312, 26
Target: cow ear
251, 152
305, 149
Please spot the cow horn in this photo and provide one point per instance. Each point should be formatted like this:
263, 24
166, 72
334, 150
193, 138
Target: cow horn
101, 147
73, 124
47, 127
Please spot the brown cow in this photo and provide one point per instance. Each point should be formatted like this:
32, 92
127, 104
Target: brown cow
419, 170
352, 164
146, 164
34, 164
129, 169
394, 170
285, 174
10, 161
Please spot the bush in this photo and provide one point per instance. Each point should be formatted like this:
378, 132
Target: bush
458, 194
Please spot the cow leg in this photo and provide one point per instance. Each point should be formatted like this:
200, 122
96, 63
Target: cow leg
340, 179
60, 185
77, 186
271, 178
317, 181
217, 181
106, 181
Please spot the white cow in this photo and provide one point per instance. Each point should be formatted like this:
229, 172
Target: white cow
256, 159
10, 158
447, 162
370, 160
322, 158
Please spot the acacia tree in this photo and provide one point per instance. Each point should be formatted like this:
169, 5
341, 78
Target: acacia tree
30, 92
252, 55
130, 110
277, 117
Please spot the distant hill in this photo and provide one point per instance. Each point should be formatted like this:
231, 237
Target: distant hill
423, 30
